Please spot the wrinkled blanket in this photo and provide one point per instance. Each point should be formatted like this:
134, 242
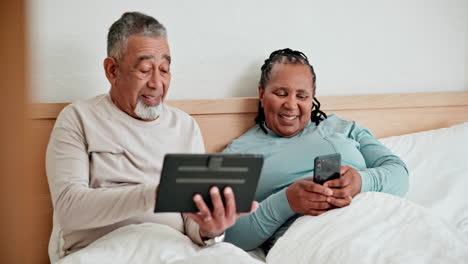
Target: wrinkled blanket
375, 228
153, 244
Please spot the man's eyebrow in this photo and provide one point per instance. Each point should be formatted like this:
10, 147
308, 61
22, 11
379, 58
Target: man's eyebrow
145, 57
167, 57
150, 57
142, 58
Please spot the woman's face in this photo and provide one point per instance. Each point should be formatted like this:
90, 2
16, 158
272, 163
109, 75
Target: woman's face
287, 98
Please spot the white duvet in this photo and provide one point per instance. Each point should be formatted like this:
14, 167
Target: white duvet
154, 243
375, 228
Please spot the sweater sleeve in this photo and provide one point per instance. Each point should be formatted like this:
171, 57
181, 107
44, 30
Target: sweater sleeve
251, 230
76, 205
385, 171
191, 227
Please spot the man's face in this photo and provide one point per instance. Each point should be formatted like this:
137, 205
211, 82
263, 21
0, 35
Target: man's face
140, 79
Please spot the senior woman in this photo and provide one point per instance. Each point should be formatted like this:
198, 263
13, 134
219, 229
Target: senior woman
291, 131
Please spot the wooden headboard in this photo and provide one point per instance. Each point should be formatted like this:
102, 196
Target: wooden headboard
222, 120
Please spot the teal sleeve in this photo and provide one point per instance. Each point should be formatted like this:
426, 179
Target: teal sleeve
250, 231
385, 171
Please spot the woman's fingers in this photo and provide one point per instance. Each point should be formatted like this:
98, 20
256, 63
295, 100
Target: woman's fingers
340, 202
310, 186
321, 205
307, 197
344, 179
349, 183
342, 192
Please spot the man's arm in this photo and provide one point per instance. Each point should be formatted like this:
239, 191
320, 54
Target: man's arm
191, 227
77, 206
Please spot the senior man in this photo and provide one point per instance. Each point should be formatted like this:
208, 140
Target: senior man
105, 154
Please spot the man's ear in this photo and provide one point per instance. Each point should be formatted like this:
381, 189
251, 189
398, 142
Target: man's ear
261, 91
110, 67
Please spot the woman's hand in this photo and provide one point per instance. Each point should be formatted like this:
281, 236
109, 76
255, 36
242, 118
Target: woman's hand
345, 187
213, 224
308, 198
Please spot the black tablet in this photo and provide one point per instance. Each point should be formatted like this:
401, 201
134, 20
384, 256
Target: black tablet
184, 175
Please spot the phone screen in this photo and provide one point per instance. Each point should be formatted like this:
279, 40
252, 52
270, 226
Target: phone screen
327, 168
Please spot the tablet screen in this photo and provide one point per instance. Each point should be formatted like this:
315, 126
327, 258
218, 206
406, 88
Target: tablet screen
184, 175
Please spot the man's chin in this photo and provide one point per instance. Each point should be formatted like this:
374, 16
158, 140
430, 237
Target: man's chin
147, 112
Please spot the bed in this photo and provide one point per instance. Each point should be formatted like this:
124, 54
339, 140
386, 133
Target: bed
428, 130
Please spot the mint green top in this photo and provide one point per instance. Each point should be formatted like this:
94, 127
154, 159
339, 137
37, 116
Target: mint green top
287, 160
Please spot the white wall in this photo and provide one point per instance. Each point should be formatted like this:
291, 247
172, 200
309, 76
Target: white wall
357, 47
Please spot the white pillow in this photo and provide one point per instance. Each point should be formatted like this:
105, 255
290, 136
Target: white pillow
438, 170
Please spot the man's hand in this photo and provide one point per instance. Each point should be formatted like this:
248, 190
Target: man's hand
213, 224
308, 198
345, 187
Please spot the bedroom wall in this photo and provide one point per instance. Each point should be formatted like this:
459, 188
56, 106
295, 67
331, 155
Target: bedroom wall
357, 47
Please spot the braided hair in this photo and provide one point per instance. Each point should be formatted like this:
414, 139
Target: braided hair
287, 56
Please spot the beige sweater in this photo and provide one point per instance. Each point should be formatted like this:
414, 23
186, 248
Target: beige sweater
103, 167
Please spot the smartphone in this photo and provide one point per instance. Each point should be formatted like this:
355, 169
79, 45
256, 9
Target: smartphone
327, 168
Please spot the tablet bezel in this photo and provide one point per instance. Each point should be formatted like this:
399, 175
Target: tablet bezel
184, 175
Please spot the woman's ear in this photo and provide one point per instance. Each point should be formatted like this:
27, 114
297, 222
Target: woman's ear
110, 67
260, 95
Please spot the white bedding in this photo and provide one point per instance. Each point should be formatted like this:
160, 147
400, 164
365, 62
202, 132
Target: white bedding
155, 243
375, 228
429, 226
438, 165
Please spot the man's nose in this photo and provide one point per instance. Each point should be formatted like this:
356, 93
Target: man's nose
156, 80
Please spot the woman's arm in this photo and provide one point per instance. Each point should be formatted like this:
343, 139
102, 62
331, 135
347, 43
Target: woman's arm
250, 231
385, 171
303, 197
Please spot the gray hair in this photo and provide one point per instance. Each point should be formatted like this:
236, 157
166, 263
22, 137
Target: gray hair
131, 24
